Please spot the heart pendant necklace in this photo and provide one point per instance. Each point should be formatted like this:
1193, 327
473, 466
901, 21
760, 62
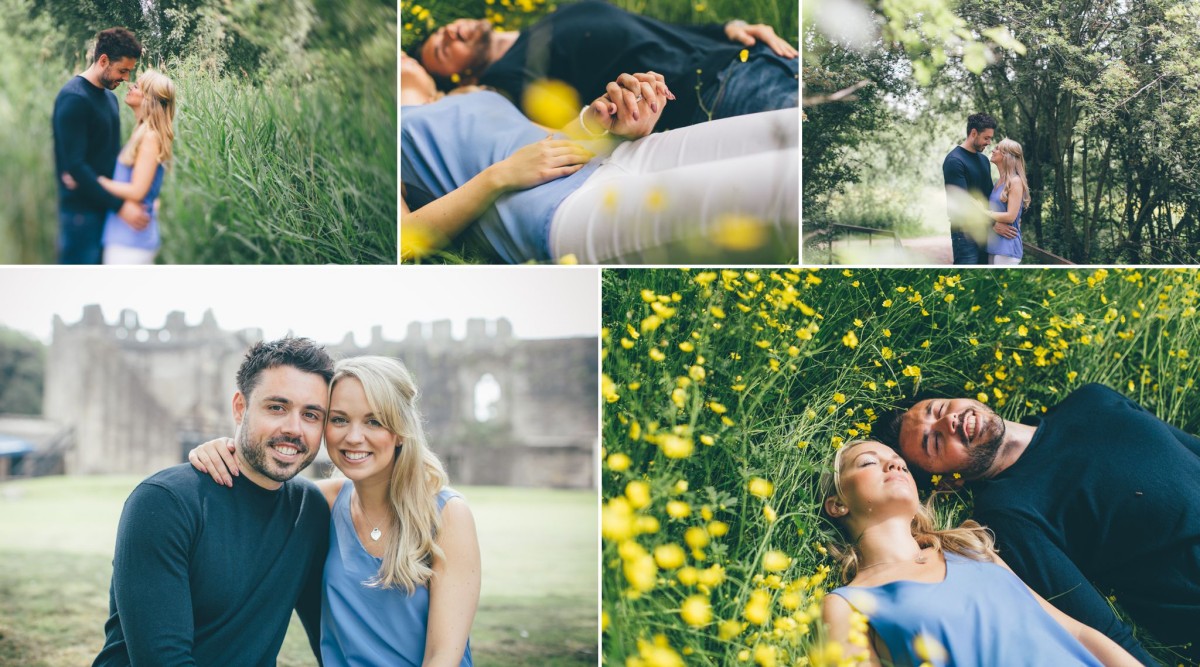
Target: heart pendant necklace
376, 533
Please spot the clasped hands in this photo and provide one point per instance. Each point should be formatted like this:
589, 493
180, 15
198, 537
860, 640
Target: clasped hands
630, 107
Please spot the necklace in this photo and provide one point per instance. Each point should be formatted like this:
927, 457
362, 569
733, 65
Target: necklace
375, 532
921, 559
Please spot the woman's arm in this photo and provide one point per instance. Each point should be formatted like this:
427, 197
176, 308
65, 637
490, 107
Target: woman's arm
1016, 195
836, 613
454, 588
1104, 649
145, 164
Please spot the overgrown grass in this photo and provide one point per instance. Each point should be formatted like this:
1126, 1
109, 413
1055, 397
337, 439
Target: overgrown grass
297, 169
714, 379
538, 601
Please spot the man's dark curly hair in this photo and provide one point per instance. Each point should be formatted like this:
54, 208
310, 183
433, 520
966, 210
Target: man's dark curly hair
299, 353
116, 43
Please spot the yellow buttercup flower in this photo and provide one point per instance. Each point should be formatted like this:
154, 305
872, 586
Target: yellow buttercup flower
761, 488
696, 611
669, 556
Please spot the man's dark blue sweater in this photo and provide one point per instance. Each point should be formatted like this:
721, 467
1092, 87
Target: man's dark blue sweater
87, 139
208, 575
1105, 501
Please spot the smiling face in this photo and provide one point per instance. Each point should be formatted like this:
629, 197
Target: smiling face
871, 475
134, 97
280, 422
355, 438
115, 72
981, 139
458, 48
951, 435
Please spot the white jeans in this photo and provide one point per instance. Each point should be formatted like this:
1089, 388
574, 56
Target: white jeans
120, 254
1005, 260
666, 188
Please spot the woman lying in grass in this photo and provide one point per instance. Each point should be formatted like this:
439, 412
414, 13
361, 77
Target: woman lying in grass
474, 168
936, 596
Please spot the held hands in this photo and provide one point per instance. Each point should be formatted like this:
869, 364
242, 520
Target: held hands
135, 215
216, 458
1007, 231
749, 35
631, 106
540, 162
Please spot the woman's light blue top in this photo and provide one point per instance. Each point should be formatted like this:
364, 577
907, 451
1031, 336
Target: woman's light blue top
363, 626
981, 614
446, 143
117, 232
996, 244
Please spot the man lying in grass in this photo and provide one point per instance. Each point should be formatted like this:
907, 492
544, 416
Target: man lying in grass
1097, 497
717, 70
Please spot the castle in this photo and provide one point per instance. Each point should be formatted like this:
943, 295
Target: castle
498, 410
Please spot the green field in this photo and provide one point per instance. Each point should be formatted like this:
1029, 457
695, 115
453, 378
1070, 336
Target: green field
538, 603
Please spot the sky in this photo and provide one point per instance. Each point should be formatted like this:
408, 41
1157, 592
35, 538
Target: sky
319, 302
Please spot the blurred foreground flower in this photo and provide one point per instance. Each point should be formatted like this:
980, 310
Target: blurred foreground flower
550, 102
739, 233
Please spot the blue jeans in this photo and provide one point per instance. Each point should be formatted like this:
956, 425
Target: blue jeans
764, 82
79, 236
966, 250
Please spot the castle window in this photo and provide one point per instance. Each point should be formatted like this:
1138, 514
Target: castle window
487, 398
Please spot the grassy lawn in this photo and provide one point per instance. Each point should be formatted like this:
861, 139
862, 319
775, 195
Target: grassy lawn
540, 575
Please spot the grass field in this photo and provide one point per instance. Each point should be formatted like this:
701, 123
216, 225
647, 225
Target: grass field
538, 603
728, 391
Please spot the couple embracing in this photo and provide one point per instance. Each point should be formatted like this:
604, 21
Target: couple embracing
968, 178
106, 193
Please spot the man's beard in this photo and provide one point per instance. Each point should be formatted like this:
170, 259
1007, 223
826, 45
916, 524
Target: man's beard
479, 59
256, 456
107, 82
982, 455
981, 146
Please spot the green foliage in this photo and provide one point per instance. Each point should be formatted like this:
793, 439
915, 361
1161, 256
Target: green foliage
713, 379
290, 160
22, 371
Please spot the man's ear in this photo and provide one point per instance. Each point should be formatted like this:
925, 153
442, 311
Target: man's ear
103, 61
835, 508
239, 407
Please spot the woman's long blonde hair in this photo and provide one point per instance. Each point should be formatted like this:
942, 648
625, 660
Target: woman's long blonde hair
1012, 163
417, 474
969, 539
158, 116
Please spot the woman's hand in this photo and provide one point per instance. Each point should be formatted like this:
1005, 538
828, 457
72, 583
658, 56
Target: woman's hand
540, 162
216, 457
1007, 231
632, 104
749, 35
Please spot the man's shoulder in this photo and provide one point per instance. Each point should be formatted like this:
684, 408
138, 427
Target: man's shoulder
180, 480
1092, 395
954, 156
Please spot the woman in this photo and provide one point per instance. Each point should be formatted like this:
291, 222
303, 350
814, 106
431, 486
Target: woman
402, 577
1006, 203
473, 167
941, 596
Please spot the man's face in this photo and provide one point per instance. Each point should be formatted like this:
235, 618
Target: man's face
457, 48
951, 435
981, 140
281, 422
116, 72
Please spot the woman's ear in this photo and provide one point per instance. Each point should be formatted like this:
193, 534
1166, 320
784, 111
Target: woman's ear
835, 508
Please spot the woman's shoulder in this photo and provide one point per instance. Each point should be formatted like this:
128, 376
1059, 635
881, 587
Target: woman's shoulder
330, 488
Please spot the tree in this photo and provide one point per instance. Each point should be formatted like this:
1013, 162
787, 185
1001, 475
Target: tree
22, 370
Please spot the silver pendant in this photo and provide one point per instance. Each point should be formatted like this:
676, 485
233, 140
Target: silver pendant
375, 534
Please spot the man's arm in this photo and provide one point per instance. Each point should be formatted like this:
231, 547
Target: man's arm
151, 580
308, 605
1043, 566
70, 137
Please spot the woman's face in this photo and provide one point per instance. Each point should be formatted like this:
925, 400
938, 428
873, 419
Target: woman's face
133, 96
416, 85
872, 475
357, 442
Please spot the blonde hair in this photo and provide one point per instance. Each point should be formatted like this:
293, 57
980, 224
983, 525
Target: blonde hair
1012, 163
417, 474
969, 539
157, 115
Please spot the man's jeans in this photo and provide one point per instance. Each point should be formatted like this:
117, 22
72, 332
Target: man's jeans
966, 251
764, 82
79, 236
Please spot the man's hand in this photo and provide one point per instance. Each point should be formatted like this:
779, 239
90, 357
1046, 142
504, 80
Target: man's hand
1007, 231
632, 105
69, 182
745, 33
135, 215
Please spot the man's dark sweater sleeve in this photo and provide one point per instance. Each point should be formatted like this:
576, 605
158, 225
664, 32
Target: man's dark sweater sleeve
1046, 569
954, 172
711, 30
70, 123
151, 581
308, 606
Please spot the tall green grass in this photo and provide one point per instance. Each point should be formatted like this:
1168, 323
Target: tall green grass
715, 378
297, 166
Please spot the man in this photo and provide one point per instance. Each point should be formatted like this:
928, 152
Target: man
87, 138
968, 176
590, 44
1097, 497
208, 575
